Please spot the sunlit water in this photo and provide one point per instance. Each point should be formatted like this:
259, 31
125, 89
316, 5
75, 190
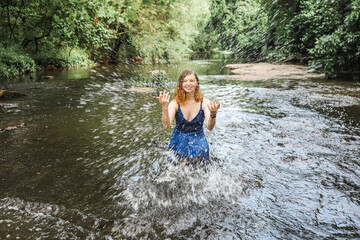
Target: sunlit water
90, 162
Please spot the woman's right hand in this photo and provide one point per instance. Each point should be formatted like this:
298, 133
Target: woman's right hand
164, 98
167, 113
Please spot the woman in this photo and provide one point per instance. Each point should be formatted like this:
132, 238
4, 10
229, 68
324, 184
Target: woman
190, 109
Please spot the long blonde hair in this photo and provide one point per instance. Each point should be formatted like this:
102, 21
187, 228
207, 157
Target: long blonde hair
179, 94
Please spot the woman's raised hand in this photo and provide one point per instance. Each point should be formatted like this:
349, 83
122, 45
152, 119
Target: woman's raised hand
213, 107
164, 97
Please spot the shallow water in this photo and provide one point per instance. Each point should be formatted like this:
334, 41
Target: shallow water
90, 162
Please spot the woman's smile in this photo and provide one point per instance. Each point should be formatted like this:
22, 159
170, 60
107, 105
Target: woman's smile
189, 83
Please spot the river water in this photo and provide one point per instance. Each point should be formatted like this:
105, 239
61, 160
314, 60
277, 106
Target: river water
90, 162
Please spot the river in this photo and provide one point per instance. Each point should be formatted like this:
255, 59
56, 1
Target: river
90, 162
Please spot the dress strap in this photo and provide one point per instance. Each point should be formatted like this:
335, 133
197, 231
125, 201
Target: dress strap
201, 105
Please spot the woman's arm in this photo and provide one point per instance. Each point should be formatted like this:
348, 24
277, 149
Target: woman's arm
211, 108
168, 114
168, 109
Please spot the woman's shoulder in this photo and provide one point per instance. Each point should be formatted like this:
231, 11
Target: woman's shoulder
206, 101
174, 104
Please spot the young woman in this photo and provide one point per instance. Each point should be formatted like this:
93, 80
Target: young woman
190, 109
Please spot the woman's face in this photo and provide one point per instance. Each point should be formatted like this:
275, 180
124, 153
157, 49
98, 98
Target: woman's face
189, 84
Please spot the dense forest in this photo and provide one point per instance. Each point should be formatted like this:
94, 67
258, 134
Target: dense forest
325, 34
322, 33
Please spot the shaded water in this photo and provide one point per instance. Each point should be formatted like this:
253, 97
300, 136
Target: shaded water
90, 162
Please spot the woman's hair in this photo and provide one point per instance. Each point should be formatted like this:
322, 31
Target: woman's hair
179, 94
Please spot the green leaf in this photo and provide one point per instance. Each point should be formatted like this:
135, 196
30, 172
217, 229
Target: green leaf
135, 6
130, 16
101, 12
121, 20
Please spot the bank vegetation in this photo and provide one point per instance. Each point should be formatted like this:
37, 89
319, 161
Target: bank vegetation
325, 34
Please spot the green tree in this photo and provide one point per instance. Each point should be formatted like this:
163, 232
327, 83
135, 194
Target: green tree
49, 31
66, 32
161, 30
323, 33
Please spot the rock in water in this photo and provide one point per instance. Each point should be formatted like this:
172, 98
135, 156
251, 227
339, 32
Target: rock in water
140, 89
5, 94
11, 126
47, 77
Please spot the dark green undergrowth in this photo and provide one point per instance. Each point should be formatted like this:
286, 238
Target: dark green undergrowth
63, 58
13, 62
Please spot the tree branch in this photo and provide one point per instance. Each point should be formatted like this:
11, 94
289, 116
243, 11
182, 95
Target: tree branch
17, 17
9, 22
26, 43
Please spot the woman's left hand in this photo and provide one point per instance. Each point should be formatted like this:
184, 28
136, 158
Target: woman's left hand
213, 107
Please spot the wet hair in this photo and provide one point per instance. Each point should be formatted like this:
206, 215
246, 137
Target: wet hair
179, 94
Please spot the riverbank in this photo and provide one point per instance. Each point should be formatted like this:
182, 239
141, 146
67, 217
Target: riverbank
15, 62
267, 71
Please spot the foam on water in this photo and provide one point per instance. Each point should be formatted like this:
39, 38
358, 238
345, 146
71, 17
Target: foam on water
177, 188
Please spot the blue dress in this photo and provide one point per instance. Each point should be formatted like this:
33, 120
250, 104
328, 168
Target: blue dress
188, 138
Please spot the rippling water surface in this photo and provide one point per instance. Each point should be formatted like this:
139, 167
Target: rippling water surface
90, 162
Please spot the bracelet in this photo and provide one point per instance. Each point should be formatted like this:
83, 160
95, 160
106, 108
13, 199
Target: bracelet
213, 116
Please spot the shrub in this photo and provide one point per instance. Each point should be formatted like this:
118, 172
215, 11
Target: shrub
63, 57
13, 62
